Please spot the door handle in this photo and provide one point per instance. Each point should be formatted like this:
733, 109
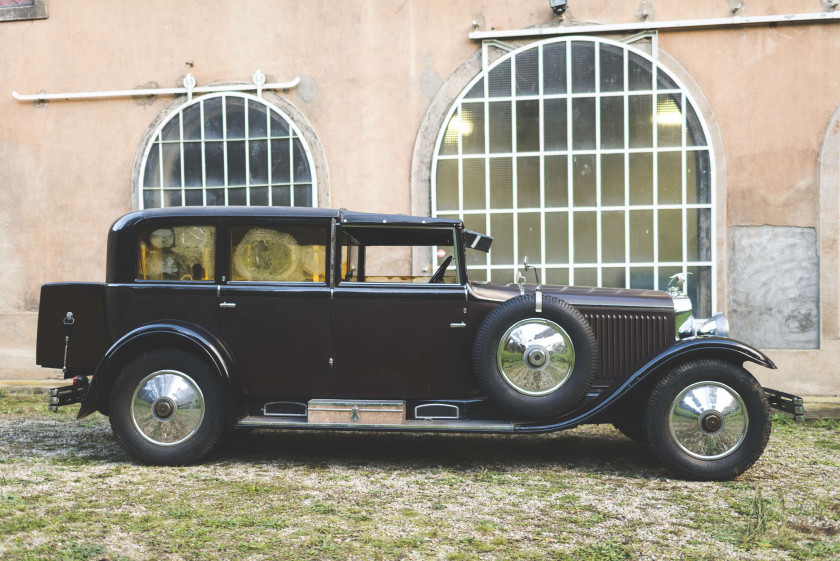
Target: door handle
457, 325
227, 305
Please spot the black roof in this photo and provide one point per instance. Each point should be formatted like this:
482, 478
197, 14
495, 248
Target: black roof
343, 215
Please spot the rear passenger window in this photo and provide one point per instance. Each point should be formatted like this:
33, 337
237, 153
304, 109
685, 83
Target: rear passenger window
177, 253
278, 254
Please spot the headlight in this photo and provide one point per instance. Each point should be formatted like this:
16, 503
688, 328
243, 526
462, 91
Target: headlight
716, 325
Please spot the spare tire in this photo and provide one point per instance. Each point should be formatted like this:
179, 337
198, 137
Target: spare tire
535, 364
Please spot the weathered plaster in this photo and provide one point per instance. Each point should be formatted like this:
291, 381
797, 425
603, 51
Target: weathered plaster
768, 94
829, 183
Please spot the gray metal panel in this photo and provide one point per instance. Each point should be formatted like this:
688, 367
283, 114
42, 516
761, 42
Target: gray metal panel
774, 287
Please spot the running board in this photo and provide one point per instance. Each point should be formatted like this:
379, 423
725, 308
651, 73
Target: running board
410, 425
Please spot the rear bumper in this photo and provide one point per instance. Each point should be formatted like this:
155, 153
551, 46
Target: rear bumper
786, 402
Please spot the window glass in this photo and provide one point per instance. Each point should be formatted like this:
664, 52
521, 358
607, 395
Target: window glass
597, 169
227, 149
177, 253
396, 255
278, 254
349, 259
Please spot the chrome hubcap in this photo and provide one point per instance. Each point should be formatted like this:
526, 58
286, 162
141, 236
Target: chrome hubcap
167, 407
708, 420
163, 408
536, 356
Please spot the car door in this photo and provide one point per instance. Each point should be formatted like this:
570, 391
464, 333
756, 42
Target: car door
398, 338
275, 307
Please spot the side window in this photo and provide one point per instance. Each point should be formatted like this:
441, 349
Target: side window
177, 253
396, 255
278, 254
349, 258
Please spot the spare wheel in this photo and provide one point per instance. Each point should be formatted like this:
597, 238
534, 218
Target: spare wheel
535, 361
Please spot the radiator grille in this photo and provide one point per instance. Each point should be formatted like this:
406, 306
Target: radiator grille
627, 340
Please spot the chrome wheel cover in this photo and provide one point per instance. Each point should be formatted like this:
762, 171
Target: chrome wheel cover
167, 407
535, 356
708, 420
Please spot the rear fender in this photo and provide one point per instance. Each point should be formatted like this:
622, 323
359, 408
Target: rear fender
685, 350
178, 335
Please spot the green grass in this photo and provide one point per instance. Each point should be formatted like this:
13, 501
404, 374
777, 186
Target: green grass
68, 492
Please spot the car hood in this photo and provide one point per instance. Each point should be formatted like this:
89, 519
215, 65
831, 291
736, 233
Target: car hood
577, 296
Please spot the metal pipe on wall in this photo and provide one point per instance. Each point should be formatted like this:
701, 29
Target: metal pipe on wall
825, 17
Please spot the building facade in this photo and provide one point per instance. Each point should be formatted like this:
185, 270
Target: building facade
615, 144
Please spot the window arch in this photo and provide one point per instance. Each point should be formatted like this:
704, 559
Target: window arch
227, 149
589, 158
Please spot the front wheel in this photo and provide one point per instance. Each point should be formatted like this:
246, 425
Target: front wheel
708, 420
167, 408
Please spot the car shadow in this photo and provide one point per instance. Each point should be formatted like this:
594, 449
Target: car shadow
593, 449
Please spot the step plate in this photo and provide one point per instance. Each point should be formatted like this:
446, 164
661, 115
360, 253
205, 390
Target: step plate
407, 426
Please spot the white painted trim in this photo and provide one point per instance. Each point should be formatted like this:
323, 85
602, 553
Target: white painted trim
823, 17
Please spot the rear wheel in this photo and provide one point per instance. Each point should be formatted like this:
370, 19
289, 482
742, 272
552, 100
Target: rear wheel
708, 420
167, 408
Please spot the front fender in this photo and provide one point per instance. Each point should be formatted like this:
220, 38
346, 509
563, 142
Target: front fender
159, 335
687, 349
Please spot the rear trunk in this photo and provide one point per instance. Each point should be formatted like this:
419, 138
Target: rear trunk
87, 335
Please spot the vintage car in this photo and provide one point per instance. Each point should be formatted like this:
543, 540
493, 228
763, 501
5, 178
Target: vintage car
230, 318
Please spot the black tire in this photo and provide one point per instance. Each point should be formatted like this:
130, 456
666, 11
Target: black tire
193, 417
540, 403
634, 429
710, 440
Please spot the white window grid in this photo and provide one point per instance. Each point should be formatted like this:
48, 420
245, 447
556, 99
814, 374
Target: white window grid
684, 150
157, 142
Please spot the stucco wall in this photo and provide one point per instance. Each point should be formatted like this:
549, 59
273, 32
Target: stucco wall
370, 69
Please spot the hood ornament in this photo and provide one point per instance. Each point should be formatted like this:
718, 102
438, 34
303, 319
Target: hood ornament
677, 284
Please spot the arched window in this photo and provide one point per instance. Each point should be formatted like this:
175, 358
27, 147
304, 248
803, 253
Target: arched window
588, 157
227, 149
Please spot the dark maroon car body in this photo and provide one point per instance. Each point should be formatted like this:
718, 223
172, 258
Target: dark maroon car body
292, 342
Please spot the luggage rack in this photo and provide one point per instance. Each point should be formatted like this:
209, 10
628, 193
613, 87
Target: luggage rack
786, 402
